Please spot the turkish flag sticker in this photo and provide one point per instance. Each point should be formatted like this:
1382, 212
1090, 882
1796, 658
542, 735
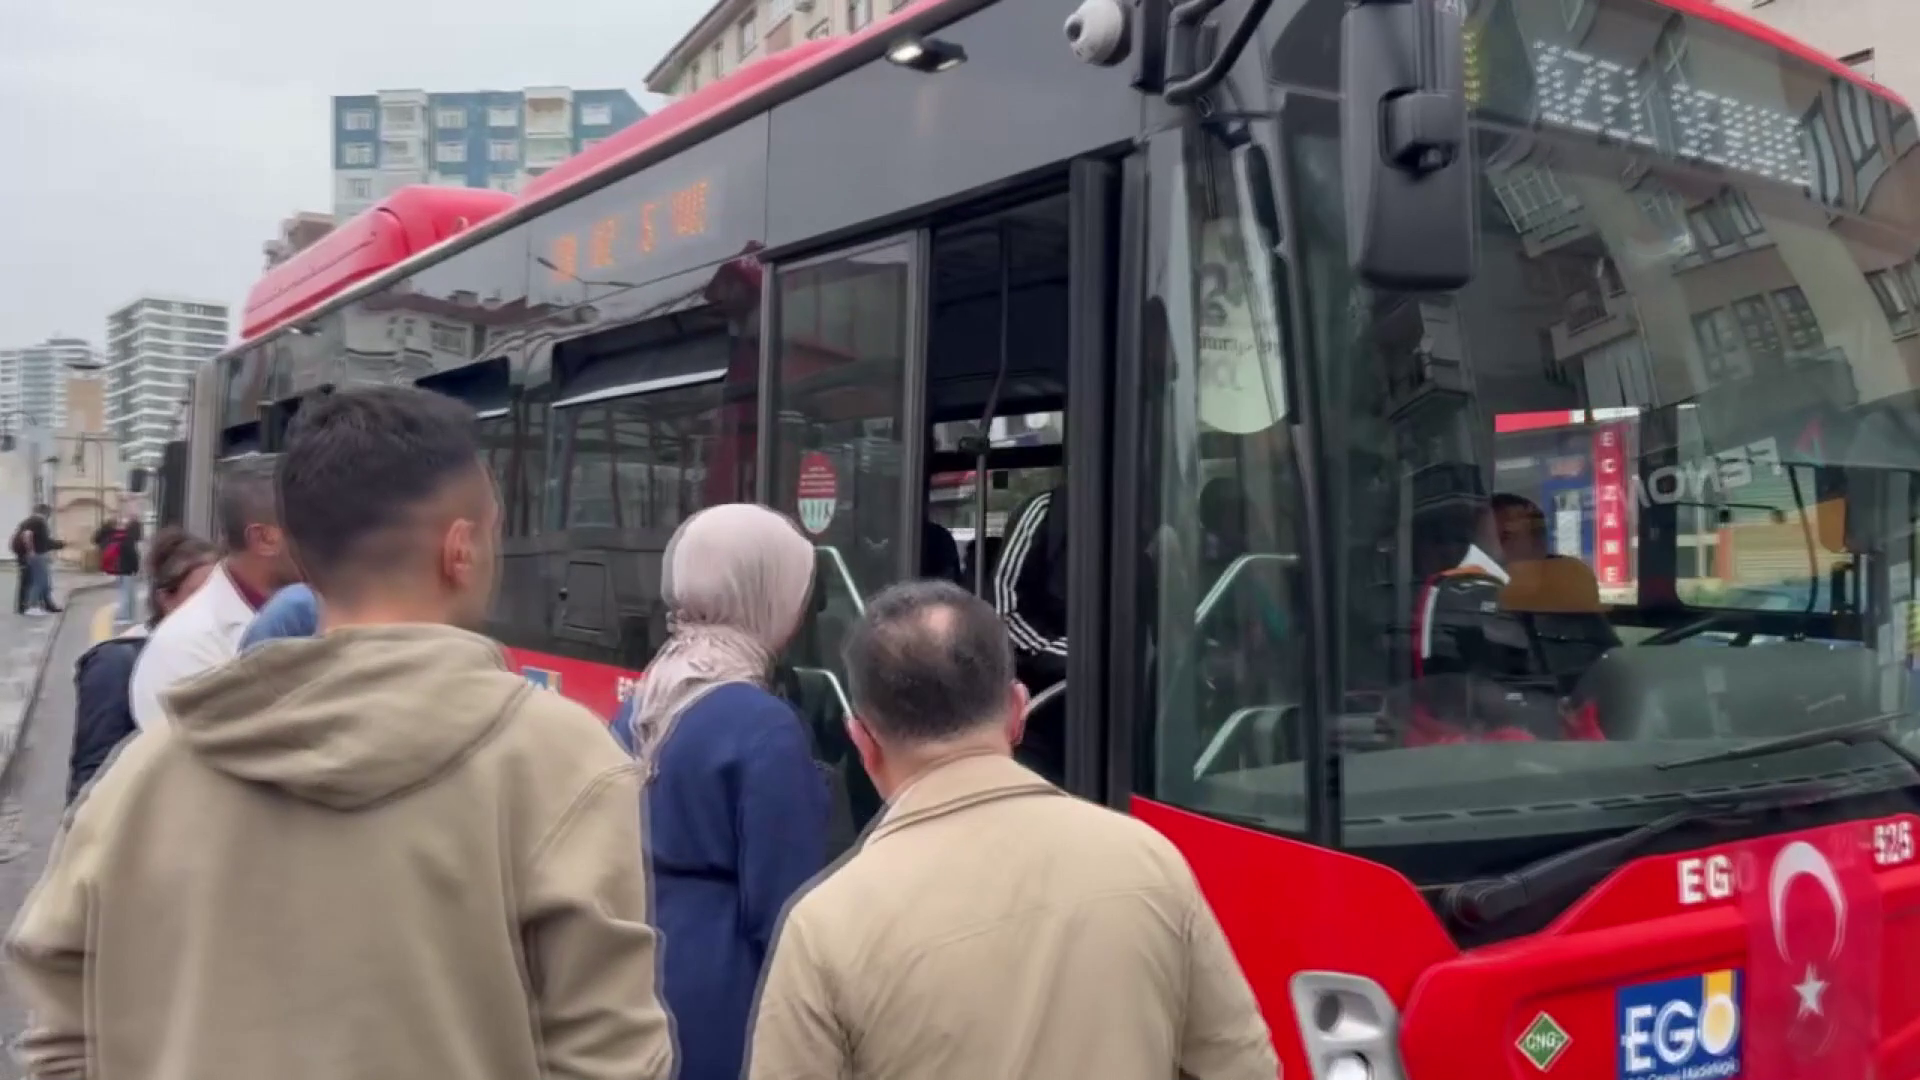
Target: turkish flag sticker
1812, 910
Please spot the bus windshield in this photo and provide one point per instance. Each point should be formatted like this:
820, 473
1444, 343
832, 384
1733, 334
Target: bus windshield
1644, 490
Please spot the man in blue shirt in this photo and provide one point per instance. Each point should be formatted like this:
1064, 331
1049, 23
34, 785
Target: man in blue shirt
292, 612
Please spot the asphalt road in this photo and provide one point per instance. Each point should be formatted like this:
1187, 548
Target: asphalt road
33, 791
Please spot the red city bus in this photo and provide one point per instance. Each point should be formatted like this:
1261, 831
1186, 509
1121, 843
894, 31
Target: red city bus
1491, 431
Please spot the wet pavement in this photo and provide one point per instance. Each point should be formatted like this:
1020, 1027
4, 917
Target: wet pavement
34, 786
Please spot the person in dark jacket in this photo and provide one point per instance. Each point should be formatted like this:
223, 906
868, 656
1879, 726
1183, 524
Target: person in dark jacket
33, 546
177, 566
118, 542
738, 815
1030, 593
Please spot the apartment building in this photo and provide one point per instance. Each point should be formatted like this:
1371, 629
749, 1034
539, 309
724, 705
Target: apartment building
482, 138
33, 380
296, 234
154, 346
1878, 38
736, 32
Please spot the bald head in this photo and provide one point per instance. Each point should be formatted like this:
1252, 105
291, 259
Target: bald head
929, 662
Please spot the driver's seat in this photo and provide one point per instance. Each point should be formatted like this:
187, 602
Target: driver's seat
1558, 599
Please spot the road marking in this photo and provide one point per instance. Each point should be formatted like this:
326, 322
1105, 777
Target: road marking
101, 627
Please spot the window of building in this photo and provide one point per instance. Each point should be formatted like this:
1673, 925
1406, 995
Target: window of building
397, 154
451, 119
746, 36
400, 116
1803, 329
359, 188
357, 120
1757, 326
503, 150
596, 114
1530, 195
777, 10
859, 14
823, 28
358, 153
588, 144
503, 116
504, 182
1897, 301
450, 153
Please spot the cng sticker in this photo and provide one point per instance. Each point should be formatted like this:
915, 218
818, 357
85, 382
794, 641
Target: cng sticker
1543, 1042
819, 492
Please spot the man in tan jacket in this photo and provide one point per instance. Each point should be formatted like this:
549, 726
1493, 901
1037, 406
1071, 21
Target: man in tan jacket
989, 925
373, 854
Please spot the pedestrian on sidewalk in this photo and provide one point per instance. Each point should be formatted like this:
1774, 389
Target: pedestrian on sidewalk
33, 548
118, 542
206, 631
177, 564
374, 853
989, 924
739, 812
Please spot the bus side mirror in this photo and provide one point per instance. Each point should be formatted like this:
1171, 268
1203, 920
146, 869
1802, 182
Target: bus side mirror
1405, 148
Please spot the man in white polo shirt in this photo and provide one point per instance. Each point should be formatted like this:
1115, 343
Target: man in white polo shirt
205, 632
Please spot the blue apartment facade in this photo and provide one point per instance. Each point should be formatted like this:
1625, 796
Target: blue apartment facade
483, 138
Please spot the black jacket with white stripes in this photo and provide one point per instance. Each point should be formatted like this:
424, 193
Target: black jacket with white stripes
1030, 586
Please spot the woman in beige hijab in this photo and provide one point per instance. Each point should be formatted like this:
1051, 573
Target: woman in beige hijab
737, 812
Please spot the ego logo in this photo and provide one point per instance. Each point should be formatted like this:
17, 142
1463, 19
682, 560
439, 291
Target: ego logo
1681, 1029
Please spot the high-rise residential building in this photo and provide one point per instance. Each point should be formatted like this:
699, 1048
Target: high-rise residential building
154, 346
1877, 38
736, 32
482, 138
297, 233
33, 381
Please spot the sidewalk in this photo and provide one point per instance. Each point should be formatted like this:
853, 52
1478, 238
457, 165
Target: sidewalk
26, 642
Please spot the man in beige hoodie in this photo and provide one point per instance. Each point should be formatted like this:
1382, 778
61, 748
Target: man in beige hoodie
372, 854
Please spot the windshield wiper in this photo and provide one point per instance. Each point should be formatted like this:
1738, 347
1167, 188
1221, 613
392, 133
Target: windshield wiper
1485, 901
1853, 733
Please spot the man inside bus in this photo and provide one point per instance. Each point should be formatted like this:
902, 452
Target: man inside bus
1478, 676
377, 852
206, 630
1029, 590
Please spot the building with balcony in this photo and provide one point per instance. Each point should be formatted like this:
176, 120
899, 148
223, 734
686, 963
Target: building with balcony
736, 32
154, 346
33, 380
297, 233
1878, 38
482, 138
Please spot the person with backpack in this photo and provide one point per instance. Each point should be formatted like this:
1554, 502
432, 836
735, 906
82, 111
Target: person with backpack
33, 548
118, 542
178, 564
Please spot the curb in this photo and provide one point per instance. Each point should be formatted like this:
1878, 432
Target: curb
11, 741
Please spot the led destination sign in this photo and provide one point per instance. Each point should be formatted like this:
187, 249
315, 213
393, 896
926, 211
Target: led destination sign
697, 207
622, 238
1598, 96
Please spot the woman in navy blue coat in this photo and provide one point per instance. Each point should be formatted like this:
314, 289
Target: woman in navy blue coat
737, 813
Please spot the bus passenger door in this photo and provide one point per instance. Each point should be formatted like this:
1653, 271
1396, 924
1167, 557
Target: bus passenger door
843, 364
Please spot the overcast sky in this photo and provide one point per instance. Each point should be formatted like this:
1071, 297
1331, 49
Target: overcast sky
156, 144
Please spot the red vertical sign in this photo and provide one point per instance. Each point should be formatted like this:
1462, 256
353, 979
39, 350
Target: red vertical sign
1610, 561
1812, 910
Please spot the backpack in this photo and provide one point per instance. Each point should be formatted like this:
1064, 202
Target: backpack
20, 543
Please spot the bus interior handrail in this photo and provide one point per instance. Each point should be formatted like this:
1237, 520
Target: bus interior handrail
839, 692
1047, 695
840, 563
1219, 590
